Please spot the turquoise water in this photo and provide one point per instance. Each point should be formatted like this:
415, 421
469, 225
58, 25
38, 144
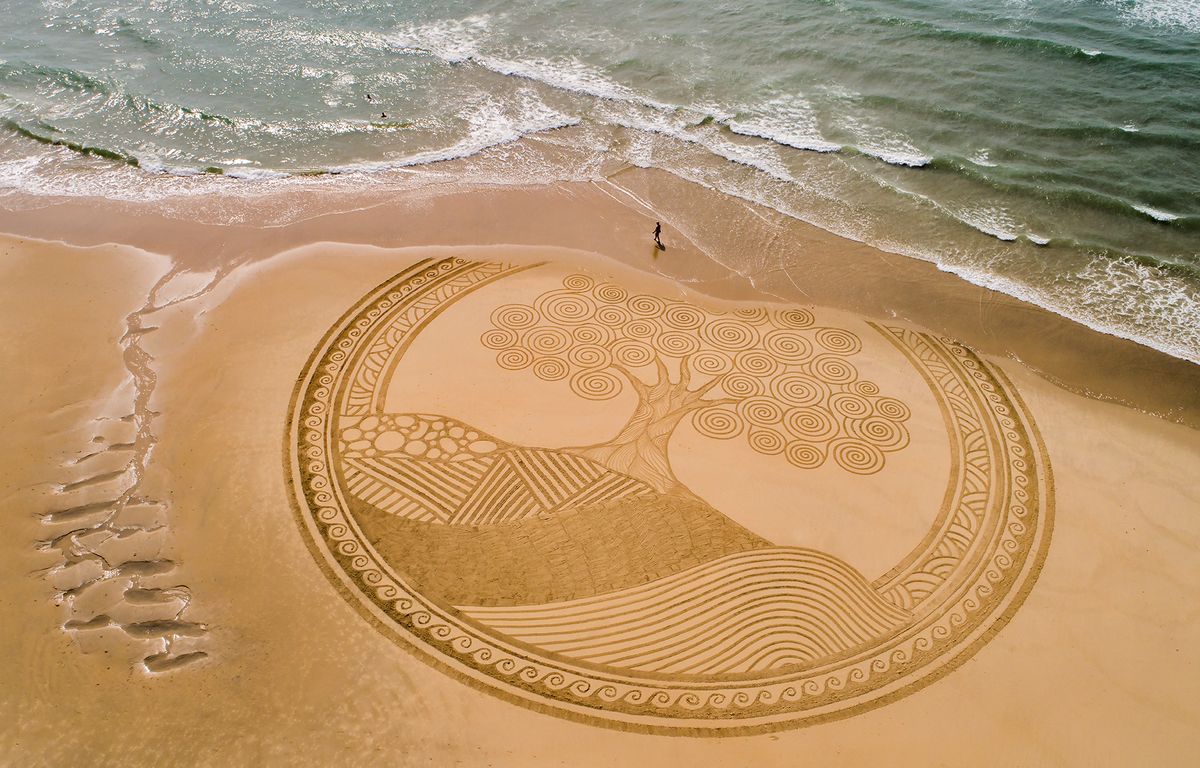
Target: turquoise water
1046, 148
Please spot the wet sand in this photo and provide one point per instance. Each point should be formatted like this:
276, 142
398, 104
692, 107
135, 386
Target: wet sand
717, 245
163, 601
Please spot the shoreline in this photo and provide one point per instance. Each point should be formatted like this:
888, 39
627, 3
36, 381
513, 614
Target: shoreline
1142, 288
718, 245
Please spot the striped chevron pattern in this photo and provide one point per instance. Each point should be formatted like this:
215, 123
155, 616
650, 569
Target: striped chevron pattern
420, 490
747, 612
499, 487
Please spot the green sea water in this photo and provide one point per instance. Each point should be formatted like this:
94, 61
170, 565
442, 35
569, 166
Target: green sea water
1046, 148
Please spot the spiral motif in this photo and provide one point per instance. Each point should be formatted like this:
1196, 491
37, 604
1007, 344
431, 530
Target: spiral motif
849, 405
632, 354
787, 346
728, 334
589, 356
499, 338
612, 317
677, 343
646, 306
855, 456
640, 328
766, 441
578, 282
815, 424
797, 389
761, 411
550, 369
710, 362
865, 388
793, 318
832, 369
804, 455
514, 316
683, 317
516, 359
738, 384
591, 334
600, 384
752, 315
565, 307
837, 340
885, 435
610, 294
756, 363
545, 340
892, 409
718, 422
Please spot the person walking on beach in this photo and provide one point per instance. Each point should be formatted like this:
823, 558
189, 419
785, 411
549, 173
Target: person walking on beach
658, 236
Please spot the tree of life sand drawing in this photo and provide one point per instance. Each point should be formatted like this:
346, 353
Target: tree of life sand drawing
588, 581
775, 376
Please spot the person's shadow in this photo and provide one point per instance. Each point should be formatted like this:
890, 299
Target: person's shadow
655, 250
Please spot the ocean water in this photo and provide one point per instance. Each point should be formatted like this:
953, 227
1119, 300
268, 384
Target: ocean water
1046, 148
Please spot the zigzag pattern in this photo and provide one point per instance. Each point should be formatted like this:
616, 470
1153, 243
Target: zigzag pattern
500, 487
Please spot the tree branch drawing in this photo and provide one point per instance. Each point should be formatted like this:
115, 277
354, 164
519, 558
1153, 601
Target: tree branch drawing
774, 376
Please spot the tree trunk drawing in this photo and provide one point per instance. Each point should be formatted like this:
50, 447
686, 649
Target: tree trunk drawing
639, 449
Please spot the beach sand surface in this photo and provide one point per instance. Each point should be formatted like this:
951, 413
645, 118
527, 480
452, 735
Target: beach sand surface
167, 598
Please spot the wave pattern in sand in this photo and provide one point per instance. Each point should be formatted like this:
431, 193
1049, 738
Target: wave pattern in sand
744, 613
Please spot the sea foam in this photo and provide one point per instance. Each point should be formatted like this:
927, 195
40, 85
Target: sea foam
786, 120
1171, 14
1155, 213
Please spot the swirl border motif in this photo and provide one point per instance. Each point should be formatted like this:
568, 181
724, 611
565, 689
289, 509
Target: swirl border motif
962, 583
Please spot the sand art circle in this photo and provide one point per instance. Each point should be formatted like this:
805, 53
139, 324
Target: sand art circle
596, 385
589, 356
640, 328
565, 307
798, 390
752, 315
550, 369
718, 423
787, 346
812, 424
515, 359
794, 318
767, 441
741, 385
683, 317
838, 340
592, 334
728, 334
761, 411
611, 294
578, 282
710, 363
590, 582
633, 354
646, 306
677, 343
856, 455
804, 455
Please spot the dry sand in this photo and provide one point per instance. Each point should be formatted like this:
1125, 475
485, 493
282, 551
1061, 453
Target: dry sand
169, 595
